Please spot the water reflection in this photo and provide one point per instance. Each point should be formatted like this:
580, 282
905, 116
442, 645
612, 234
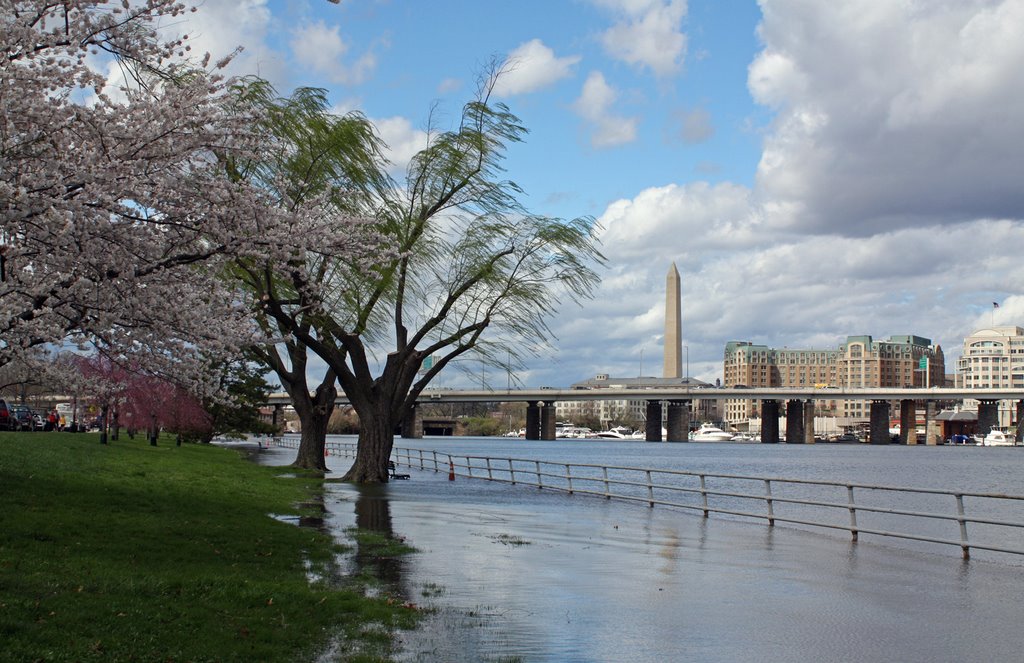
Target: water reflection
379, 552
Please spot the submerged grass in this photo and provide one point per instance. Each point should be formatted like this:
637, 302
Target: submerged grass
134, 552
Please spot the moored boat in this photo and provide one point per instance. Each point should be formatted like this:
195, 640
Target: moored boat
998, 438
710, 433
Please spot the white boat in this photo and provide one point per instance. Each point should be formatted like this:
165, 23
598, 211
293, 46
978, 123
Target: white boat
998, 438
616, 433
710, 433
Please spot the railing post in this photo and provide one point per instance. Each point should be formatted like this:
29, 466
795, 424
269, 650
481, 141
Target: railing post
650, 490
568, 477
469, 467
607, 493
421, 459
704, 495
490, 477
963, 526
853, 512
435, 462
768, 499
511, 472
540, 482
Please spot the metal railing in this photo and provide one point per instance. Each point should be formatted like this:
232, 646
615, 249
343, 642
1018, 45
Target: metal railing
857, 508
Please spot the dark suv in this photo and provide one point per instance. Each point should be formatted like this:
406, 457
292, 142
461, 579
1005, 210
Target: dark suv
23, 417
7, 419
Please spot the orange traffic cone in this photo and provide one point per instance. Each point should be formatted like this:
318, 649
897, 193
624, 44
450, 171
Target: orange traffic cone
451, 471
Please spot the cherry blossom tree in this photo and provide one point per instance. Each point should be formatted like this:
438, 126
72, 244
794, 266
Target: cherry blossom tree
118, 219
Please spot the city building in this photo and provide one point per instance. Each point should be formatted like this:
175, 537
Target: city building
859, 362
992, 357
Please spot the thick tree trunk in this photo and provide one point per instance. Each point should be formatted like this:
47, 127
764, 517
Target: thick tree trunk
314, 439
376, 437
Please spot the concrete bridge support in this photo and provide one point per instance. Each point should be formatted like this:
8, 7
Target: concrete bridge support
880, 422
412, 424
795, 422
809, 422
1019, 434
988, 416
769, 422
653, 427
908, 421
678, 424
547, 421
932, 429
532, 421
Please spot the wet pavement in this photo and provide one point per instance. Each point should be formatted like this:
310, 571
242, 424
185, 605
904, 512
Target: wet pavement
513, 573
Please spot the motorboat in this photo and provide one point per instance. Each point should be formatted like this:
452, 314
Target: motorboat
746, 437
998, 438
616, 433
710, 433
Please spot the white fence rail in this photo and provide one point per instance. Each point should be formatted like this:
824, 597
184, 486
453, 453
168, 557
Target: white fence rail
918, 514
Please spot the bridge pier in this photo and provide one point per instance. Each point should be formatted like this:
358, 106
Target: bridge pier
1019, 434
880, 422
547, 421
932, 430
988, 416
809, 422
769, 421
908, 421
794, 421
678, 424
653, 425
532, 421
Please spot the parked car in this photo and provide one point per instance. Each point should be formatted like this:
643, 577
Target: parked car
7, 420
22, 415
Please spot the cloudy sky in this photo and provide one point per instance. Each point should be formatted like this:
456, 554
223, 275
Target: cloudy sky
814, 169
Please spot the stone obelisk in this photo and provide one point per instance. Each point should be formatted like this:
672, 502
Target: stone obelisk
673, 325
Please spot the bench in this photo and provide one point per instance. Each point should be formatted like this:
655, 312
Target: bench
393, 474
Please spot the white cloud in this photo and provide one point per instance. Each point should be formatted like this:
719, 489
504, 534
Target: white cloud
594, 104
890, 114
649, 34
321, 47
219, 28
402, 139
531, 67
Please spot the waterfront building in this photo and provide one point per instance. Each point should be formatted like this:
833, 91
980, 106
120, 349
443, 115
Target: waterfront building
631, 411
992, 357
861, 361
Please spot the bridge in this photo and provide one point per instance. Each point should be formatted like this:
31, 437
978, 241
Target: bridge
540, 412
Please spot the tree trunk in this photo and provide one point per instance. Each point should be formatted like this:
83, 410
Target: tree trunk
314, 439
376, 437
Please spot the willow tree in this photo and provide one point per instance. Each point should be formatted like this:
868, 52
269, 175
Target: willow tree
313, 157
472, 274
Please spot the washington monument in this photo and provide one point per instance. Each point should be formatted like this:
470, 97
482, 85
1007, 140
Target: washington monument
673, 325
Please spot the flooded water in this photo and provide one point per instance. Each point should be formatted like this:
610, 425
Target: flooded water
513, 573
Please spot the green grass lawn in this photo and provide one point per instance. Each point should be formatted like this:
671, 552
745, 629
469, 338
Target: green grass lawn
129, 552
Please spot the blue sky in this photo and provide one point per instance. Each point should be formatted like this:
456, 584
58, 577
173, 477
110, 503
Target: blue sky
814, 169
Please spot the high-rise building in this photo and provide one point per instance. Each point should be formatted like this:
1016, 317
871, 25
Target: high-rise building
673, 325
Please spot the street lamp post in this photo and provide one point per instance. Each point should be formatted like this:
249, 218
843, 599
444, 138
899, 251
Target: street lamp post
686, 354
